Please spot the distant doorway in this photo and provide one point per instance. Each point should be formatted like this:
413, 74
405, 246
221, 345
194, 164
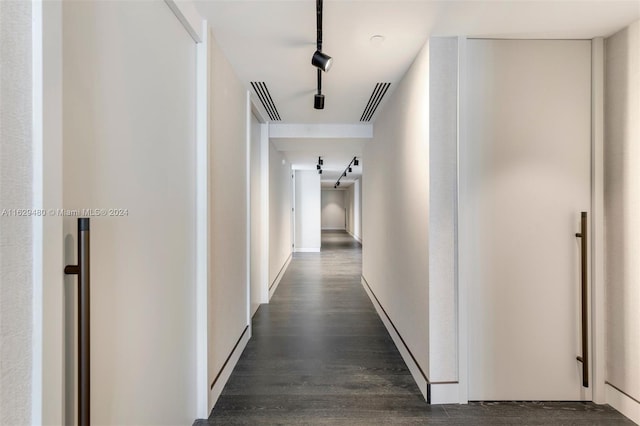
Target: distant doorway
340, 209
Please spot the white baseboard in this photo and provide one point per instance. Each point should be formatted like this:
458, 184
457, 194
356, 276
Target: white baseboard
623, 403
227, 368
276, 282
307, 250
420, 379
445, 393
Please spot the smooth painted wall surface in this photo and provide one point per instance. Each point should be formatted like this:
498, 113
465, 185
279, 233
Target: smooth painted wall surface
307, 210
357, 208
279, 212
348, 206
622, 203
227, 314
129, 143
443, 133
16, 233
333, 213
352, 198
353, 201
395, 257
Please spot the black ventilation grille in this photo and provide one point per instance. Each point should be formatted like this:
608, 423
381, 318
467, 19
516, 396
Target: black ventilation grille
374, 101
267, 101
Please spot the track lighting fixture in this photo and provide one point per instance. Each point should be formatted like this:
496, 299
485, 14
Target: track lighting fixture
319, 171
353, 161
318, 167
321, 61
321, 161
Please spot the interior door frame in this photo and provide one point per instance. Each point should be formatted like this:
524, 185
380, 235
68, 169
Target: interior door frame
48, 251
464, 225
254, 109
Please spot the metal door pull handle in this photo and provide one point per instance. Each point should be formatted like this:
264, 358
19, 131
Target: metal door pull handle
584, 359
82, 270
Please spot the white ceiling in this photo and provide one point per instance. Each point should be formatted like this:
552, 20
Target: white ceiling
272, 41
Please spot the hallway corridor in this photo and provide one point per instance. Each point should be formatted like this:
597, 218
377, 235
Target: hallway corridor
319, 354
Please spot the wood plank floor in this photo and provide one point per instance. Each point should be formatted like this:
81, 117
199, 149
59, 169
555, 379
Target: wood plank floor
320, 355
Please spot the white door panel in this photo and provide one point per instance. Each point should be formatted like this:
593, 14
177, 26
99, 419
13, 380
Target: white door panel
529, 146
129, 143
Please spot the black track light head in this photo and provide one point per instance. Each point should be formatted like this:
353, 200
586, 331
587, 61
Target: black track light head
356, 161
318, 167
319, 171
320, 161
318, 101
350, 170
338, 183
321, 61
344, 174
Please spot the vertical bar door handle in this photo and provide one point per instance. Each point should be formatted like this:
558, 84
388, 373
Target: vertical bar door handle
82, 270
584, 359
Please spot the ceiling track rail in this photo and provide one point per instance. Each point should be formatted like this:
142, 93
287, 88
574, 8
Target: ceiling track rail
353, 161
319, 25
374, 101
261, 90
318, 99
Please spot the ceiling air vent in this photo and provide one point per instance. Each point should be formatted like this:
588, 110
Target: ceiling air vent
374, 101
267, 101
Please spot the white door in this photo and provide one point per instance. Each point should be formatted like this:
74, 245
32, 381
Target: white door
129, 152
528, 151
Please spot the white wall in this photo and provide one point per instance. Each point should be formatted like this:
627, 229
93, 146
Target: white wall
353, 200
129, 143
395, 258
227, 313
333, 211
409, 192
443, 125
622, 203
16, 241
280, 184
307, 210
349, 207
357, 209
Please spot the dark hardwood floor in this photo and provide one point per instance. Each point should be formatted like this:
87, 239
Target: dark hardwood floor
319, 355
